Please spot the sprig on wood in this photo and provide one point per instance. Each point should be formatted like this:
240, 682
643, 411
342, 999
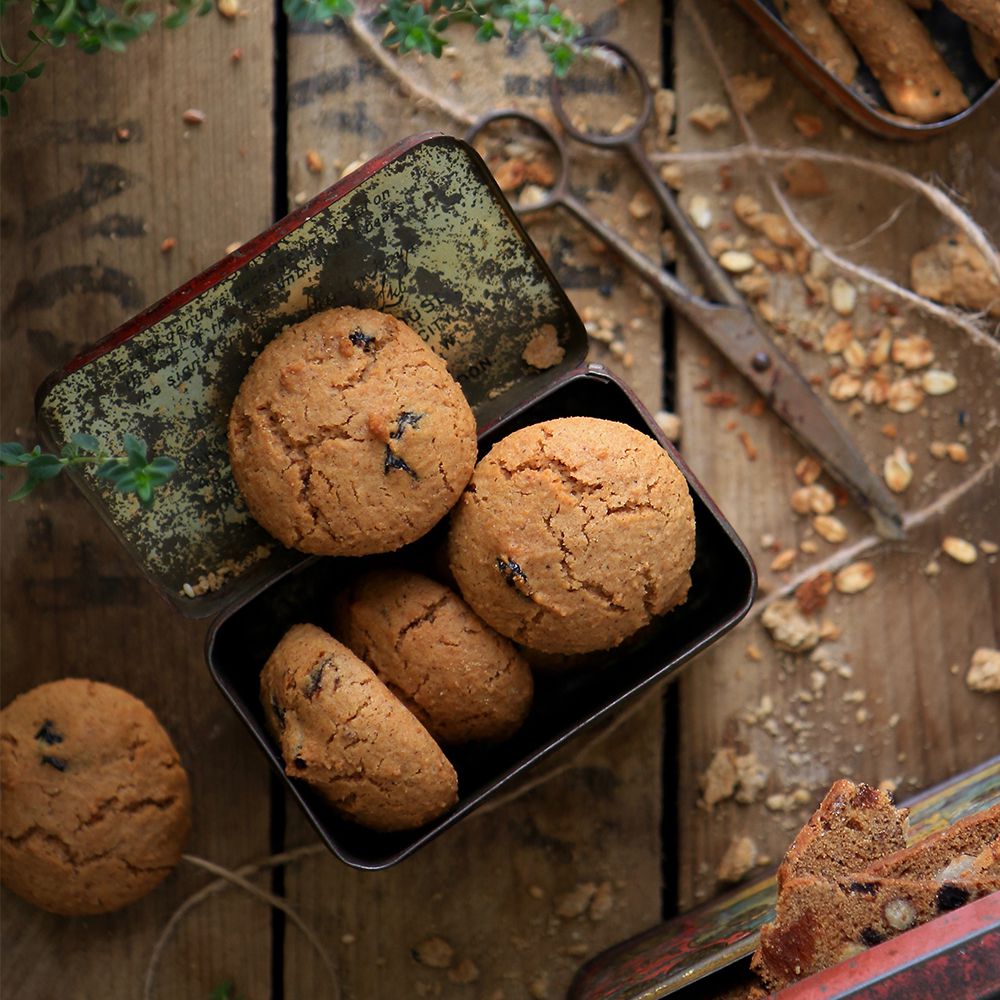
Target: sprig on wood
411, 25
133, 472
93, 25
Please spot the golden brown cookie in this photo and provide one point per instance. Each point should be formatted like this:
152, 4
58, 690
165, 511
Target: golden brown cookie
342, 731
348, 436
573, 534
96, 803
462, 680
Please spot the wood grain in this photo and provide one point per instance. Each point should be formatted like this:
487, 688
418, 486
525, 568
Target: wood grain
914, 721
98, 169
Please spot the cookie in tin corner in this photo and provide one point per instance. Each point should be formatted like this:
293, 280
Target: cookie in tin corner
343, 732
96, 802
349, 436
573, 534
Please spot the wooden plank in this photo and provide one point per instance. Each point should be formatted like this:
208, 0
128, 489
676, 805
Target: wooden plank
916, 722
85, 210
492, 887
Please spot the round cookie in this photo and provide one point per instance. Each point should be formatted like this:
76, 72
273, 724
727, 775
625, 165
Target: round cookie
343, 732
348, 436
462, 680
573, 534
96, 803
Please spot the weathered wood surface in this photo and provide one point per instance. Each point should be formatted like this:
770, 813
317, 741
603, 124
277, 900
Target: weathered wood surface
84, 213
917, 723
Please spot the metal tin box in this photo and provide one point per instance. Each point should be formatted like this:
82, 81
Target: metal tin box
863, 100
423, 232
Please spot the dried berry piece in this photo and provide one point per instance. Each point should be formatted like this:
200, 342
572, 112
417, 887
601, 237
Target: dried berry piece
61, 764
314, 679
404, 420
361, 339
279, 712
511, 572
951, 897
47, 734
394, 461
863, 888
871, 937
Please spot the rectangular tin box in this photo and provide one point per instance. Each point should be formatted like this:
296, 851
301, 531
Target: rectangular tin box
423, 232
863, 100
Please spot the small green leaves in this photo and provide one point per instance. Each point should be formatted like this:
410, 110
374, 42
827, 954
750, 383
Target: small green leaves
134, 473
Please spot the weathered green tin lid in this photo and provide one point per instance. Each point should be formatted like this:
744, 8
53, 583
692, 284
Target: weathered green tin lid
421, 232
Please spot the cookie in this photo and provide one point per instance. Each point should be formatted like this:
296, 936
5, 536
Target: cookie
462, 680
348, 436
343, 732
96, 803
573, 534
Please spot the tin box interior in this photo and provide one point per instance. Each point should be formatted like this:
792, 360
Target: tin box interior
422, 232
864, 100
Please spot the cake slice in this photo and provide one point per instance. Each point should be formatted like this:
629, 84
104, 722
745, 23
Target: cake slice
821, 922
853, 827
943, 856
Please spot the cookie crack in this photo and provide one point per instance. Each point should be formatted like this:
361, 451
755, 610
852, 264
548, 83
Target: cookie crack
427, 615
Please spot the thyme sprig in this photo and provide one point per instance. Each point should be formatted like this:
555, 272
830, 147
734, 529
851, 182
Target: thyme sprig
411, 26
133, 472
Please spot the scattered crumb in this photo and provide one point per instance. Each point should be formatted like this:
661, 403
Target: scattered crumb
543, 350
168, 244
804, 179
959, 549
465, 972
539, 986
753, 653
807, 470
314, 162
783, 560
750, 90
812, 595
710, 116
854, 578
641, 205
718, 781
670, 424
984, 671
575, 902
193, 116
536, 892
602, 902
789, 628
952, 271
750, 776
740, 857
434, 952
808, 125
216, 578
348, 938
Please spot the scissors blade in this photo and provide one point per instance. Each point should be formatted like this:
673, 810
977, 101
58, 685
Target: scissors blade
735, 333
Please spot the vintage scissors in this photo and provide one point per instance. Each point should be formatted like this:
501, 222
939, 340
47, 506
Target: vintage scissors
726, 322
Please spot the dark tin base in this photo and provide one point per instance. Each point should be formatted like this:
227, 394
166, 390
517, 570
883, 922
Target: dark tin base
566, 702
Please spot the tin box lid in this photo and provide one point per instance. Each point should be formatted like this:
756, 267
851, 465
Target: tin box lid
422, 232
